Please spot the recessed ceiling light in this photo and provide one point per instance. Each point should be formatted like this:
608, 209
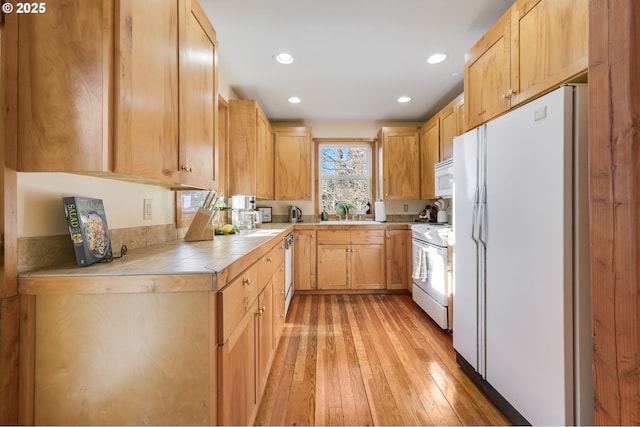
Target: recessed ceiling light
294, 100
404, 99
436, 58
284, 58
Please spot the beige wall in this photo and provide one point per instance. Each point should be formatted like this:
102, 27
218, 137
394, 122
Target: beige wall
40, 211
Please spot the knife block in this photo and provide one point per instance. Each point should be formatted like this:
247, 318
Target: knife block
201, 227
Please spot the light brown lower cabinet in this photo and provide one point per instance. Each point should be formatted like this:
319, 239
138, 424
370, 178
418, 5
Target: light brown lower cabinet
398, 250
237, 379
245, 360
304, 260
278, 304
119, 359
351, 259
251, 311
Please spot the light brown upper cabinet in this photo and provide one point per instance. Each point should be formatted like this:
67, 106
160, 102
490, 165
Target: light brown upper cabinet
436, 143
293, 163
100, 91
429, 156
251, 150
486, 74
448, 128
399, 154
198, 98
535, 46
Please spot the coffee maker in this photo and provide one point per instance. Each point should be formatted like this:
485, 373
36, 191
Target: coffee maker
243, 211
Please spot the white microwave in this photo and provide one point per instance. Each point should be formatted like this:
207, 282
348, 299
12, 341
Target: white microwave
444, 178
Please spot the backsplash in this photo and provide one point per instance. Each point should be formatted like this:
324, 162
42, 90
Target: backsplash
46, 251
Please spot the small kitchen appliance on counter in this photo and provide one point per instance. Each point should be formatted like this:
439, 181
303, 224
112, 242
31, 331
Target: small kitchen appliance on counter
295, 214
243, 211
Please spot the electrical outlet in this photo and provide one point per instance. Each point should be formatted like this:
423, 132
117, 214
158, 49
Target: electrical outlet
405, 208
147, 212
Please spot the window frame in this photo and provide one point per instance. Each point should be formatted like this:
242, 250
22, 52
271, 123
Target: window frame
346, 142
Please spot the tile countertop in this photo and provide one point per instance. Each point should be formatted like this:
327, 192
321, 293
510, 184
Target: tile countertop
173, 266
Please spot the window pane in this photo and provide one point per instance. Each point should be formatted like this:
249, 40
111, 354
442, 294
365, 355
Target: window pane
352, 191
344, 160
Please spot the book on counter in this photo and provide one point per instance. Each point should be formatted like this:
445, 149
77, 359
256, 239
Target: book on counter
88, 229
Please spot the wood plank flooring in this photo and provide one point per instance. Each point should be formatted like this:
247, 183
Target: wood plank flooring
368, 360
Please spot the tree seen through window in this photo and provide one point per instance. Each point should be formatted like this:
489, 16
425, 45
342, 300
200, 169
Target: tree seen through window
344, 176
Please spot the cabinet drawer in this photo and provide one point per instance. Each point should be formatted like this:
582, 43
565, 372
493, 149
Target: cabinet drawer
269, 263
367, 237
235, 299
334, 237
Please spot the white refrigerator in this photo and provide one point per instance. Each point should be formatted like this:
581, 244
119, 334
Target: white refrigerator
522, 317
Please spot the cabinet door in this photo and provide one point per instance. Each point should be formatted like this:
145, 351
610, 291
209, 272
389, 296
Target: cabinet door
447, 132
459, 107
304, 260
237, 378
278, 304
266, 336
146, 103
400, 163
549, 45
333, 266
242, 146
429, 155
293, 163
398, 259
367, 267
64, 114
198, 97
264, 158
487, 74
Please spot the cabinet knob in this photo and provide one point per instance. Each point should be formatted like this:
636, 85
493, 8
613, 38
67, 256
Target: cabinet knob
269, 259
247, 281
282, 316
509, 94
187, 168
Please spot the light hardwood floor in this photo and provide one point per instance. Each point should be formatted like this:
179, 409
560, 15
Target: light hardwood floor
368, 360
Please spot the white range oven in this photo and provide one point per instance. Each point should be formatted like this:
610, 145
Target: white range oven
431, 283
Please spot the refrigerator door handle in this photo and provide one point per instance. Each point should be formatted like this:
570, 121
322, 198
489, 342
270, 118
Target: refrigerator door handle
481, 217
475, 235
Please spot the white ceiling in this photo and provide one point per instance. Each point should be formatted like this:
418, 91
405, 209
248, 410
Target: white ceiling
352, 58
